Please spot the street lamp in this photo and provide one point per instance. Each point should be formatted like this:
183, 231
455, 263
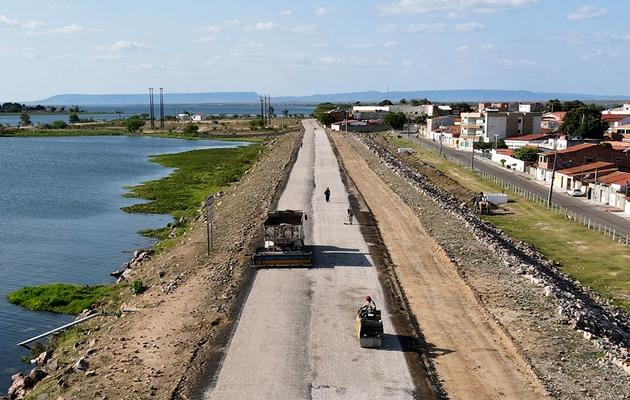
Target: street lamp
472, 154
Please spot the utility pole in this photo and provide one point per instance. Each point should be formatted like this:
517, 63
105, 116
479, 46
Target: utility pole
151, 112
161, 108
472, 154
553, 175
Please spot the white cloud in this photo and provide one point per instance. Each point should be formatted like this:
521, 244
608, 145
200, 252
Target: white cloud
389, 44
218, 28
14, 23
204, 39
588, 12
146, 66
213, 29
469, 26
407, 63
9, 23
33, 25
437, 27
31, 53
306, 29
592, 56
358, 46
262, 26
451, 6
329, 60
285, 12
108, 57
625, 38
71, 29
123, 45
324, 10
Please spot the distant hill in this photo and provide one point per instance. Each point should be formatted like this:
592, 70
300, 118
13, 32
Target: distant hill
438, 96
449, 96
129, 99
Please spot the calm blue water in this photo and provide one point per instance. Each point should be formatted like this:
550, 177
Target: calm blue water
60, 220
109, 111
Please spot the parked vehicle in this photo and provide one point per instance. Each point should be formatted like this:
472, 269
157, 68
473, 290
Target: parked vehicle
575, 192
284, 241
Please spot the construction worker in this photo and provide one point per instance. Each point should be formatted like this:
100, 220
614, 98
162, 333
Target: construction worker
370, 303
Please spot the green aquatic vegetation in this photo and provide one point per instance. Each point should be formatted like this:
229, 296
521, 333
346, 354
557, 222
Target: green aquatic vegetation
60, 298
197, 174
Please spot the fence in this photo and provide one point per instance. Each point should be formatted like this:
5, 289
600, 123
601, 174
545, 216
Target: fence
555, 208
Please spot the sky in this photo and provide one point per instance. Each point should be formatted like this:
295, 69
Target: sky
299, 48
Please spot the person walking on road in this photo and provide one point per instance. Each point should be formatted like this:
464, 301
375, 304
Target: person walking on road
350, 215
327, 194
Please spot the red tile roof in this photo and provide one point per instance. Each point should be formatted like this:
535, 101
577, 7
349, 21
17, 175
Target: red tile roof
614, 117
571, 149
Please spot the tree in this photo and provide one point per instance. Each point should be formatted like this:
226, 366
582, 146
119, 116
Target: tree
385, 103
462, 107
570, 105
73, 118
553, 105
402, 101
585, 122
284, 112
326, 119
190, 129
134, 123
526, 154
59, 124
25, 119
421, 119
394, 120
254, 124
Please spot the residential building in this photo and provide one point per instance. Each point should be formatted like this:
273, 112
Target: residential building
529, 106
503, 107
615, 120
580, 156
552, 120
489, 126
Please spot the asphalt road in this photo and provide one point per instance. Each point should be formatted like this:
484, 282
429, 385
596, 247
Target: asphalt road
620, 222
295, 338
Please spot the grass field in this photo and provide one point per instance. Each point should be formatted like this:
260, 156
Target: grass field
587, 256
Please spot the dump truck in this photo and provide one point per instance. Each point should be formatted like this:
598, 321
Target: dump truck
369, 327
284, 241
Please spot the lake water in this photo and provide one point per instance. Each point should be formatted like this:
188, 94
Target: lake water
60, 220
108, 112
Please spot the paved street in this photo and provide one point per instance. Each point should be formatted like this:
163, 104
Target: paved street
295, 338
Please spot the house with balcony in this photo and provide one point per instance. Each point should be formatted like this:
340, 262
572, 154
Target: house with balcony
552, 120
491, 126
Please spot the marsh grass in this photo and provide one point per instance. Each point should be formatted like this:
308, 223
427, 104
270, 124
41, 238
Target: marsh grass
197, 174
588, 257
59, 297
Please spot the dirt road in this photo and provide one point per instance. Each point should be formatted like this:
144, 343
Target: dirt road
472, 357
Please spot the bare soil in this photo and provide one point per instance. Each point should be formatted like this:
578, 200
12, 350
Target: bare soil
482, 333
